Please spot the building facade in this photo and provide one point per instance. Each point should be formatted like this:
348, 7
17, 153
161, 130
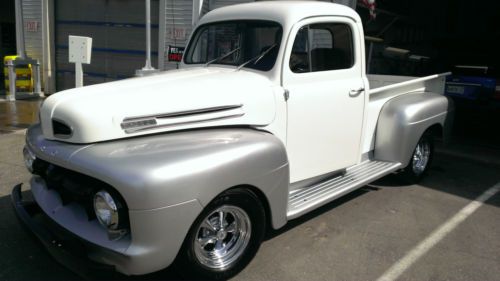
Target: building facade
118, 31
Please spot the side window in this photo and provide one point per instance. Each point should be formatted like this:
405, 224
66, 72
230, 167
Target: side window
328, 46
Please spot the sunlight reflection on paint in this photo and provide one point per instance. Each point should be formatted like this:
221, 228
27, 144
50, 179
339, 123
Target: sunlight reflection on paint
199, 164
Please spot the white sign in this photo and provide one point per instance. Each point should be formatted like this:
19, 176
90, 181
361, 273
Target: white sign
177, 33
32, 26
80, 49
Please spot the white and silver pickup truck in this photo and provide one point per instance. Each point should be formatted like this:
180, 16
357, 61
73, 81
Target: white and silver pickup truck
270, 116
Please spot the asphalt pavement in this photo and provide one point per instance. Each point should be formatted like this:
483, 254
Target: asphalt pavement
431, 231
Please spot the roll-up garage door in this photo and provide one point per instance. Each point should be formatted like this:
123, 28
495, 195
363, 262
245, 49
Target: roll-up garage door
214, 4
117, 28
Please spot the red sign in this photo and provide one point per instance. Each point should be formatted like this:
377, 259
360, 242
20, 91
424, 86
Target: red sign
32, 25
175, 53
177, 33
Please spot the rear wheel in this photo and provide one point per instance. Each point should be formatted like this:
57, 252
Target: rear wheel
421, 159
224, 237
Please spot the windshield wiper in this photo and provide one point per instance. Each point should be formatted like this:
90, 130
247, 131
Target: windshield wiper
258, 57
222, 57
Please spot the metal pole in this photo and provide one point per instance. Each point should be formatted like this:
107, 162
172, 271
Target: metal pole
147, 69
21, 52
12, 81
78, 75
197, 9
148, 35
37, 90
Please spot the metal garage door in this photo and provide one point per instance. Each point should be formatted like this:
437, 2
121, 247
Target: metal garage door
118, 31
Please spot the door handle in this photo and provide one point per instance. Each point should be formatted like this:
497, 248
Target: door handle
355, 93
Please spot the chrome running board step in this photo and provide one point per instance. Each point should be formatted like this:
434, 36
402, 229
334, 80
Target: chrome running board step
303, 200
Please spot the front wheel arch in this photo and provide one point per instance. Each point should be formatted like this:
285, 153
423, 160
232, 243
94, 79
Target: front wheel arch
242, 198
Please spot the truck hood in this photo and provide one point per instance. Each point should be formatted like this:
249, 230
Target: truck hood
168, 101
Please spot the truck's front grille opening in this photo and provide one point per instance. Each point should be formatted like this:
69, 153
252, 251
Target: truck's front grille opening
61, 130
74, 187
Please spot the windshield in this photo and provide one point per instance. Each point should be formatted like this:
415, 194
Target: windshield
213, 43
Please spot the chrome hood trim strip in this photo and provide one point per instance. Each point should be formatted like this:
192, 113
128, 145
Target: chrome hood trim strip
184, 113
142, 123
140, 129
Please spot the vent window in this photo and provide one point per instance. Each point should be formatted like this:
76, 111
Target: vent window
61, 129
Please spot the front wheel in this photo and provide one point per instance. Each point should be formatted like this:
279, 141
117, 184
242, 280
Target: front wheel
421, 159
224, 237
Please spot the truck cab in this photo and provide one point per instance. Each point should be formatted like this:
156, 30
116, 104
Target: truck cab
316, 63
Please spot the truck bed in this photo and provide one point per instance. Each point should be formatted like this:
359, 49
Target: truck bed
386, 87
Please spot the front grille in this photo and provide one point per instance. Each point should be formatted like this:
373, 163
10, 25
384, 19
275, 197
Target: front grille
76, 187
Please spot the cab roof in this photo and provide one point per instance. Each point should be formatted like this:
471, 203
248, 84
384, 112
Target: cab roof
286, 13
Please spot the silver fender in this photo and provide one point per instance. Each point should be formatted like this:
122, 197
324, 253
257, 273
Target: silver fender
404, 119
157, 171
167, 180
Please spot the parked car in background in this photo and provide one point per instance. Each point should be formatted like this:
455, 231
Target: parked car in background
472, 84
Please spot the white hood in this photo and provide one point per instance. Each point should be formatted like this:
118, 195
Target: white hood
174, 100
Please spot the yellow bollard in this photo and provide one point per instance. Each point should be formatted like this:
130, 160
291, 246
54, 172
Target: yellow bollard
24, 81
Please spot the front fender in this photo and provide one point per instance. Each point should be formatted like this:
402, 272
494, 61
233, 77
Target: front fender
167, 179
162, 170
404, 119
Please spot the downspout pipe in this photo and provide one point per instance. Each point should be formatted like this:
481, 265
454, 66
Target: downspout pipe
21, 50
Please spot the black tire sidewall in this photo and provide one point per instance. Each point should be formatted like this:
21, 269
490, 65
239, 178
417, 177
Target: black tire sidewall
187, 263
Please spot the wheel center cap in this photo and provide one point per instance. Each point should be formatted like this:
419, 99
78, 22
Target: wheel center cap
221, 234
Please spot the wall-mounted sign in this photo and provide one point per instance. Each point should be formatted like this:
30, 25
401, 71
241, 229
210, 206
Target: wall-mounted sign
177, 33
32, 26
175, 53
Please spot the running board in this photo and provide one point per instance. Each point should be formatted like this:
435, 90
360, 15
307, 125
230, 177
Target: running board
301, 201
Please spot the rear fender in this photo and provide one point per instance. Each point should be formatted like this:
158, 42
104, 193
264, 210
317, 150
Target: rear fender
404, 119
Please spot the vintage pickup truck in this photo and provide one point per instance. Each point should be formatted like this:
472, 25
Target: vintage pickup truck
270, 116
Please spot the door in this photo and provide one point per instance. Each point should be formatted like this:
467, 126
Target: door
323, 75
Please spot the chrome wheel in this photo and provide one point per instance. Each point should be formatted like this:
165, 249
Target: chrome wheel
222, 237
421, 156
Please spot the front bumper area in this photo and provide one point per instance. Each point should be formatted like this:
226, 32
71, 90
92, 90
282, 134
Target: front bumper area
63, 246
158, 235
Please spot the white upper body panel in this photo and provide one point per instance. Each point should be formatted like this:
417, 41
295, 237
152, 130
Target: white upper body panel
175, 100
194, 97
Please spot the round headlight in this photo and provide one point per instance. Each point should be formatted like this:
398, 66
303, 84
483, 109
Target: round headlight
29, 158
106, 210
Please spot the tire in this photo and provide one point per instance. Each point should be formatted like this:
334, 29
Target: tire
421, 159
236, 243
